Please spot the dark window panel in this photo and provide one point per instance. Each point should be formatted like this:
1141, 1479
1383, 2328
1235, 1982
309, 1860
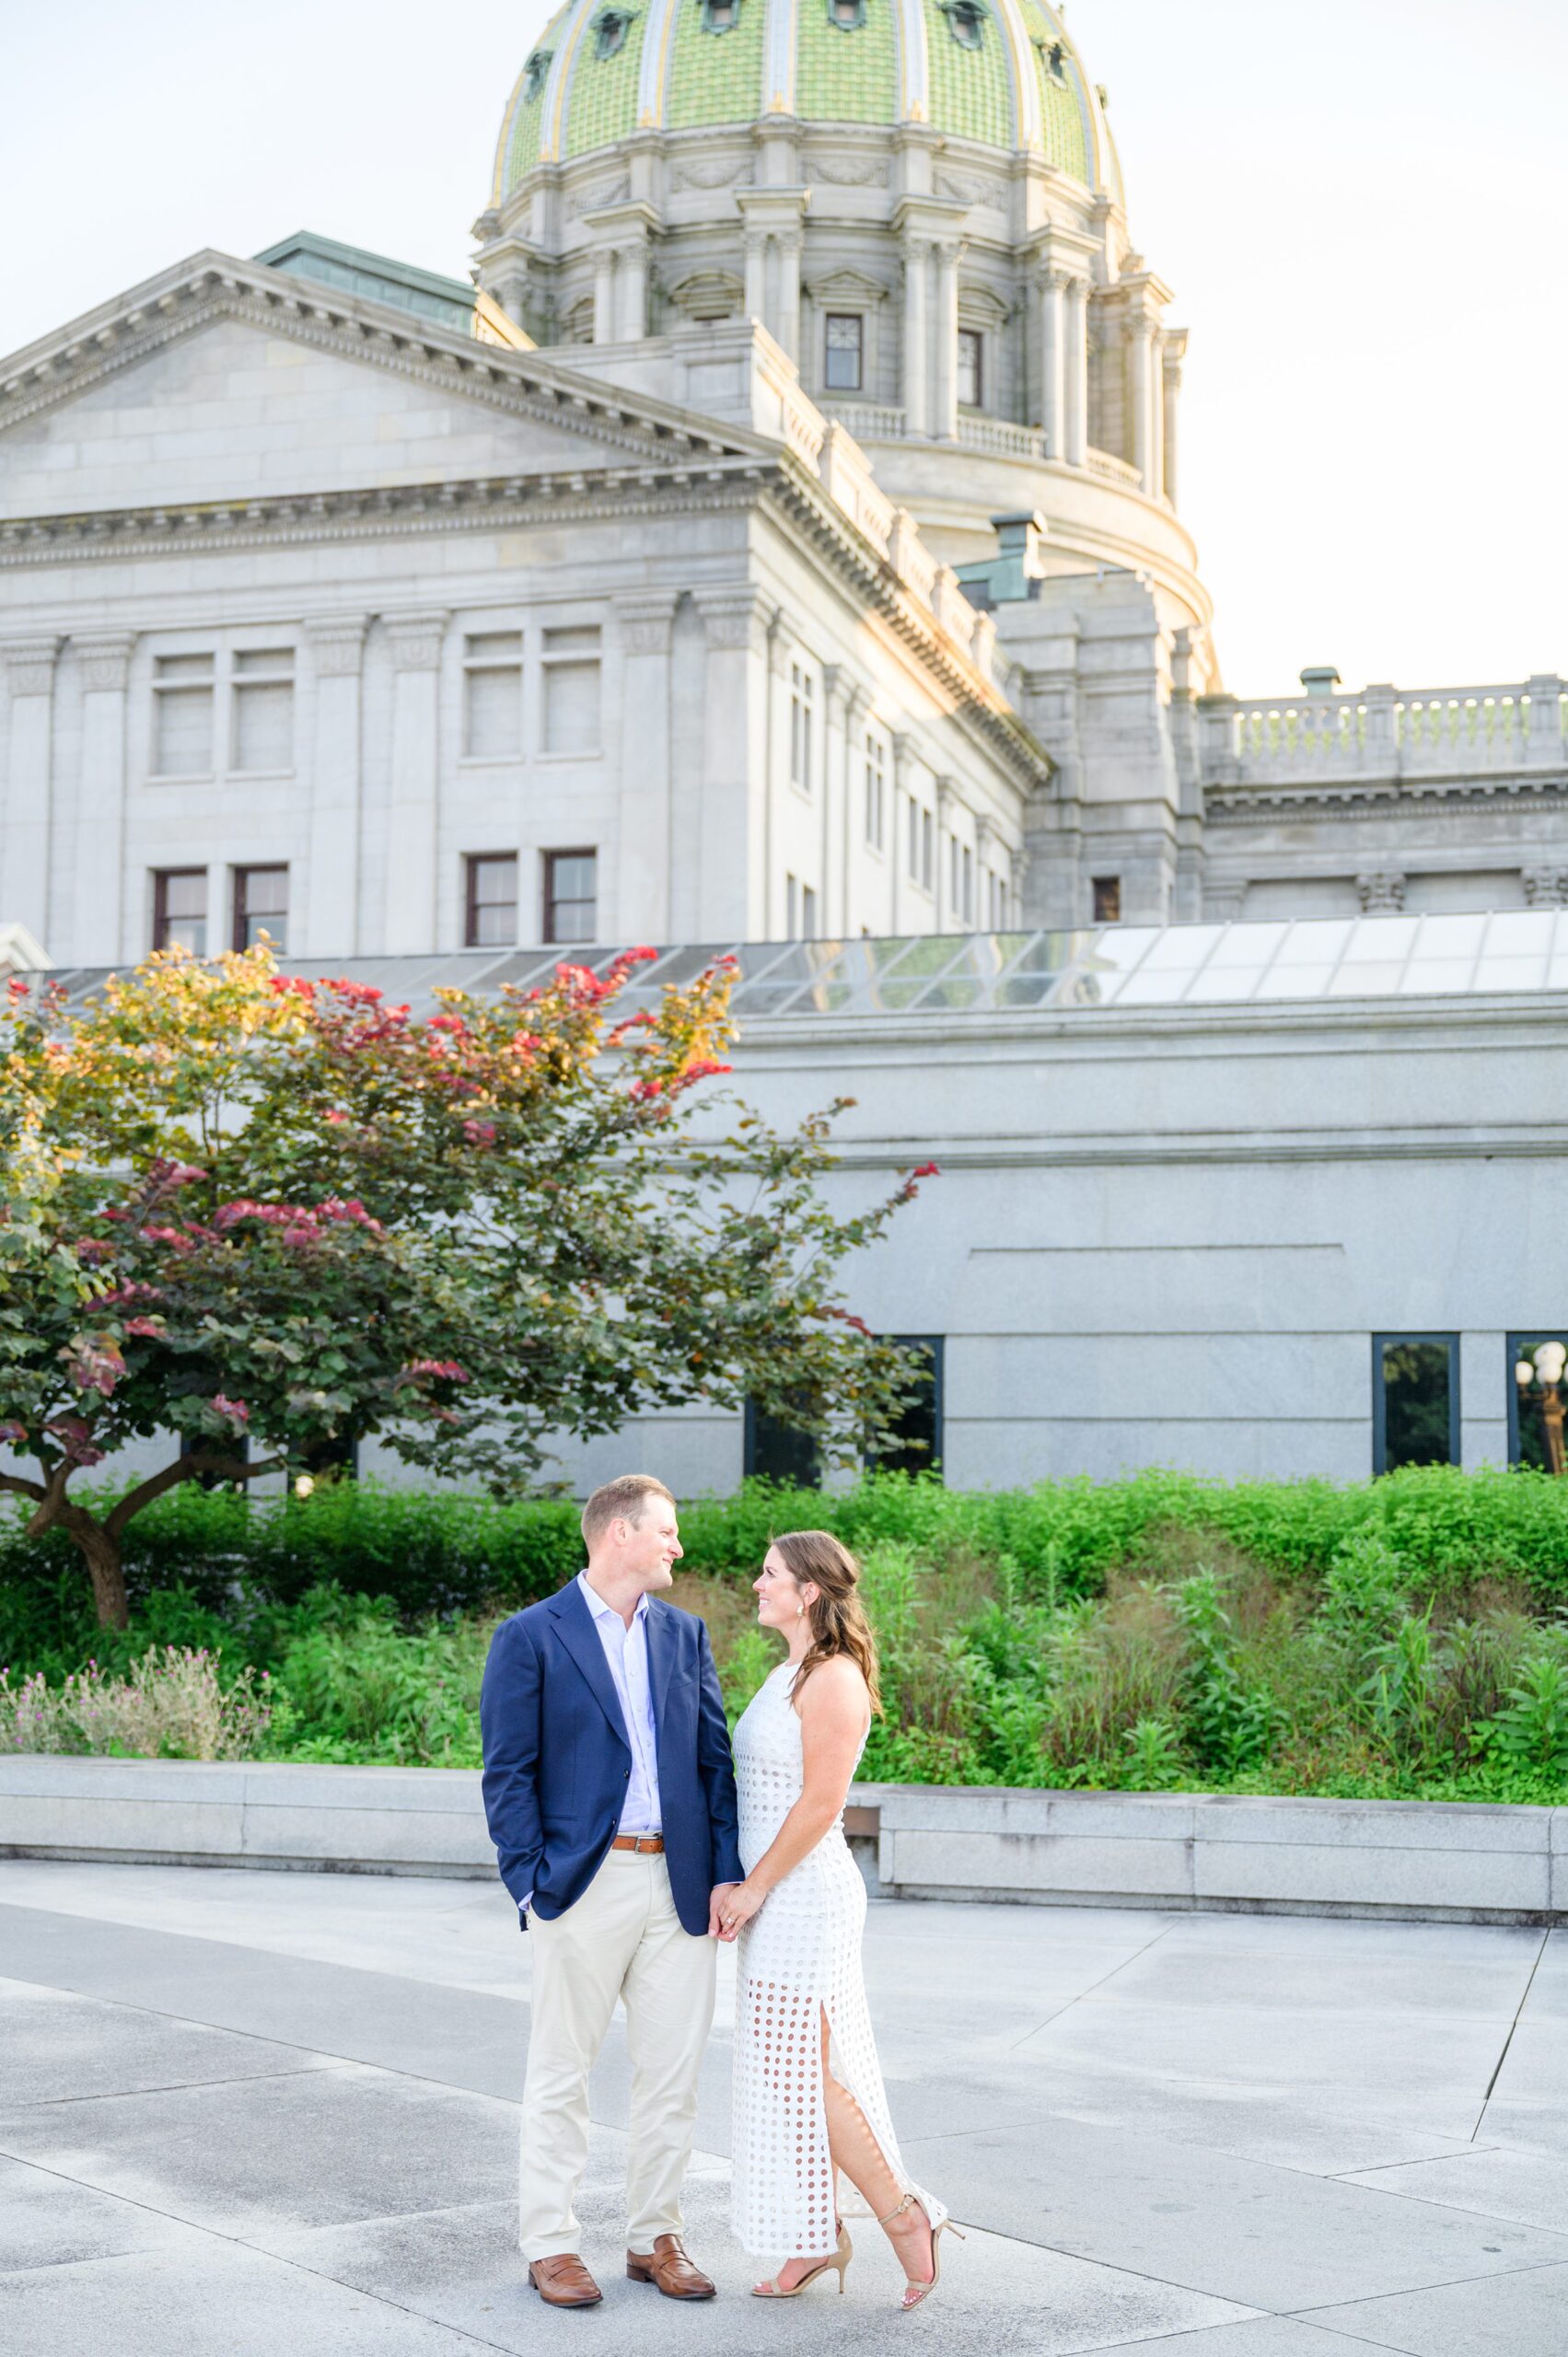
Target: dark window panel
1416, 1400
570, 895
920, 1427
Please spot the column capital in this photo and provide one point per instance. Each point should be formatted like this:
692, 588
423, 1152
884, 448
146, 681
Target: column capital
106, 659
738, 617
902, 743
987, 837
646, 619
1381, 890
30, 664
417, 639
949, 799
336, 644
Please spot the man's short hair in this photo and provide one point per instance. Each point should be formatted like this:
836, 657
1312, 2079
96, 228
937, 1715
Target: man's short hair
628, 1494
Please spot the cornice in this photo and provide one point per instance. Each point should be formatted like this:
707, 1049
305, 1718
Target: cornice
1377, 798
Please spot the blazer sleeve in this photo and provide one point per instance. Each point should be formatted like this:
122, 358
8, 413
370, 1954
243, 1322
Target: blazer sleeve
509, 1724
715, 1767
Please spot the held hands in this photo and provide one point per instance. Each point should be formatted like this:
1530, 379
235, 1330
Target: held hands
734, 1905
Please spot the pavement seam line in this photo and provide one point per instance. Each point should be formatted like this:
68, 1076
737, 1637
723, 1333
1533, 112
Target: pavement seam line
1163, 1934
177, 2086
1519, 2016
238, 2242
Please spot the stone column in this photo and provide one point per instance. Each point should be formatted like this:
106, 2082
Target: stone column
1543, 742
412, 837
1076, 391
1173, 353
756, 248
788, 245
917, 252
947, 809
852, 846
732, 882
328, 893
898, 831
632, 273
101, 892
644, 851
1141, 337
604, 294
945, 423
1053, 288
25, 835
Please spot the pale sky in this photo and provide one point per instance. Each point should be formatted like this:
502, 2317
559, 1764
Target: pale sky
1360, 207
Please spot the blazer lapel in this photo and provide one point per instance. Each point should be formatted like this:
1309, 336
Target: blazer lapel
575, 1624
659, 1634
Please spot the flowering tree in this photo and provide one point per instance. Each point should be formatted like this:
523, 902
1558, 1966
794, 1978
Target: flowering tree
260, 1214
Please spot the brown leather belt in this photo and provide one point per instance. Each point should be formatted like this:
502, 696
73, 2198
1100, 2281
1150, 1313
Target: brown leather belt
647, 1845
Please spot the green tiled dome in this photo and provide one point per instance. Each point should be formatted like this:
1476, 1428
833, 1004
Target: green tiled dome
1001, 73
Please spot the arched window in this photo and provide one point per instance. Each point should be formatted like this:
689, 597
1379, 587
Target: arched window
720, 15
848, 15
966, 21
611, 27
536, 69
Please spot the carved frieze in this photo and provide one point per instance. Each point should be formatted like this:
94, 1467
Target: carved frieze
720, 171
29, 665
848, 172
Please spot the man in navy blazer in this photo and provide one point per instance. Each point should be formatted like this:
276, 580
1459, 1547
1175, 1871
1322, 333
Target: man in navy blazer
610, 1793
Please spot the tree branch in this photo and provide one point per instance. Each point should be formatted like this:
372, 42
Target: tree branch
22, 1486
51, 1499
185, 1469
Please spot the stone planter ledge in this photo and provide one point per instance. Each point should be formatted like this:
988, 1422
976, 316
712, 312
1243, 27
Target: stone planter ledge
1437, 1861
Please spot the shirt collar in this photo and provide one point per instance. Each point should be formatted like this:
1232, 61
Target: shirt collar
602, 1611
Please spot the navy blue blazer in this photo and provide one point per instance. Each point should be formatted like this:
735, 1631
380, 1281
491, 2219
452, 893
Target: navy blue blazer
557, 1760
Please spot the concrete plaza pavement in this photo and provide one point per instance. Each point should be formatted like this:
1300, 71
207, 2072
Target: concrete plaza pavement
267, 2115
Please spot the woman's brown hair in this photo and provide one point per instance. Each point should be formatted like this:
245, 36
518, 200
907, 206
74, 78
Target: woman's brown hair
838, 1624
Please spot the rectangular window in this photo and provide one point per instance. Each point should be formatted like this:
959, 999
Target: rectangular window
802, 694
261, 905
1536, 1403
775, 1451
179, 910
570, 895
927, 851
1107, 899
262, 717
845, 352
183, 715
808, 912
919, 1429
571, 694
875, 794
971, 369
1416, 1400
490, 917
492, 695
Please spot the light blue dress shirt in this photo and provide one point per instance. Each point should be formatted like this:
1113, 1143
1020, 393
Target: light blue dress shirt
627, 1658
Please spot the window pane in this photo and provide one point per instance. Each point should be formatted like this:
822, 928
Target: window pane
1107, 899
1539, 1405
920, 1426
969, 375
263, 726
844, 354
261, 905
493, 721
571, 888
571, 708
492, 902
1417, 1378
776, 1452
180, 911
183, 743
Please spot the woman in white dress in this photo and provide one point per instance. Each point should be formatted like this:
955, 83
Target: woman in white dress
809, 2106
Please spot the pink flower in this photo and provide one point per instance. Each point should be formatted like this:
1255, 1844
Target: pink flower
90, 1252
94, 1366
926, 1171
443, 1370
479, 1133
75, 1436
642, 1090
235, 1410
704, 1069
335, 1118
153, 1326
13, 1432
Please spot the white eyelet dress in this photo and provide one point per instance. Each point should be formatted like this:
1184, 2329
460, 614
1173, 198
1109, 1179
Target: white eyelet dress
798, 1956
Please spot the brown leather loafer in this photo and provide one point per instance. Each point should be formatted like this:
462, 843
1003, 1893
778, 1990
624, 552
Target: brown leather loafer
668, 2266
563, 2282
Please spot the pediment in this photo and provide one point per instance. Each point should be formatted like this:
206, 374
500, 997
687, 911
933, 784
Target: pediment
230, 381
847, 286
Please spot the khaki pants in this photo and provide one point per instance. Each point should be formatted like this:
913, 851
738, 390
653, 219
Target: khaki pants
621, 1939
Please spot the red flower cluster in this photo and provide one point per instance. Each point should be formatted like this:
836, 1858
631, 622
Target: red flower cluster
479, 1133
235, 1410
438, 1370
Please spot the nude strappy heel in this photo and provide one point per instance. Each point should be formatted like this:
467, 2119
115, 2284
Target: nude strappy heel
839, 2261
914, 2293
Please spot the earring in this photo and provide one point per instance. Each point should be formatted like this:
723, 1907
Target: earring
800, 1611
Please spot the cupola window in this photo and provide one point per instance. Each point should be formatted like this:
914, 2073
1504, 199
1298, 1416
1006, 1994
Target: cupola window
966, 21
720, 15
848, 15
611, 27
1055, 58
536, 69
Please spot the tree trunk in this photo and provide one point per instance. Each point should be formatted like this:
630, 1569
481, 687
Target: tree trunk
102, 1556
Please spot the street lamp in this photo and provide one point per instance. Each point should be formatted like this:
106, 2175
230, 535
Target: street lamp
1547, 1370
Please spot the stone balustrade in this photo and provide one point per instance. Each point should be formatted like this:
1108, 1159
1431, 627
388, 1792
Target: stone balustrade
1384, 732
